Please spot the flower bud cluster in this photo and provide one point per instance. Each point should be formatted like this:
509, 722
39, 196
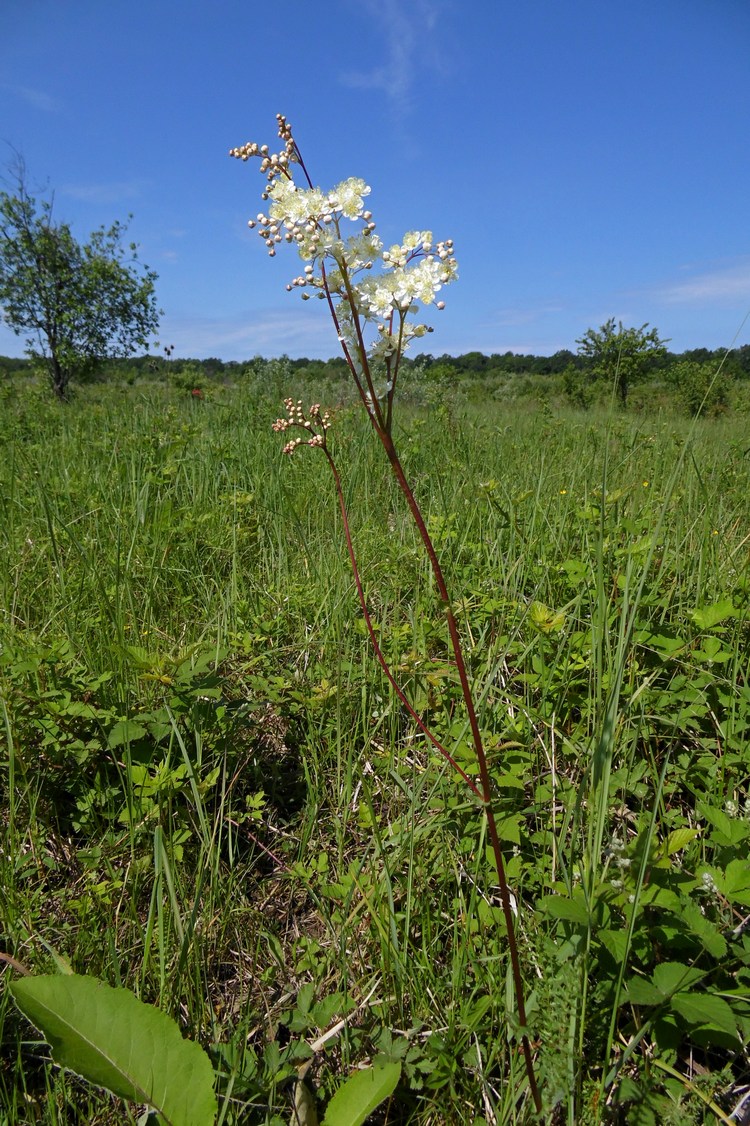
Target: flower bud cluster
272, 164
315, 423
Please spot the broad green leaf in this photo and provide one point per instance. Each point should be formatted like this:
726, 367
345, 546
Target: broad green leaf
126, 731
116, 1041
361, 1094
679, 838
560, 907
616, 942
713, 651
706, 617
667, 645
642, 992
735, 884
706, 1009
141, 657
668, 977
710, 937
719, 819
509, 828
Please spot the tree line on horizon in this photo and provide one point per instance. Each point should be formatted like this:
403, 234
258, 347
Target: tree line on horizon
476, 363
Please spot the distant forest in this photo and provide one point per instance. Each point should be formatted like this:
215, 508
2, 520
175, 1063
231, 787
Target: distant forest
470, 364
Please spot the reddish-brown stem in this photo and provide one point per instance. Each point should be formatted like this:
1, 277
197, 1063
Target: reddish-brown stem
484, 793
369, 397
373, 636
484, 773
372, 406
382, 426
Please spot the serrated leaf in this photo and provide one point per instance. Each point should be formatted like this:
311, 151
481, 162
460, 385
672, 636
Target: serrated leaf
545, 619
560, 907
735, 883
711, 938
509, 828
116, 1041
642, 992
706, 617
705, 1009
616, 942
668, 977
361, 1094
718, 818
663, 642
126, 731
141, 657
679, 838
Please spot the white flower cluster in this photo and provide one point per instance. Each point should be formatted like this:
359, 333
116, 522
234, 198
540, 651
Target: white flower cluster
409, 274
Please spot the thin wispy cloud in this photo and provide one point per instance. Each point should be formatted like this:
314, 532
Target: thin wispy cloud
266, 332
39, 99
408, 30
725, 285
114, 192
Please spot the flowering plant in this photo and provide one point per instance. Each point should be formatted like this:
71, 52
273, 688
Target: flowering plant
373, 295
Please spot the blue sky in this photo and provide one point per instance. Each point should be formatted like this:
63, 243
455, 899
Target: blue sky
589, 158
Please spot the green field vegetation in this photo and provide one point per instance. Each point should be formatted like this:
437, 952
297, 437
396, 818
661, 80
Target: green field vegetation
211, 794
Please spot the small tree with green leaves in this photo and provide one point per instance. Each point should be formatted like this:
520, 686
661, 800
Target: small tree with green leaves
77, 304
703, 389
621, 356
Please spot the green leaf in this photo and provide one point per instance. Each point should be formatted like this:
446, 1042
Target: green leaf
711, 938
705, 1009
509, 828
735, 884
545, 619
361, 1094
667, 645
679, 838
116, 1041
642, 992
560, 907
126, 731
707, 617
720, 820
668, 977
616, 942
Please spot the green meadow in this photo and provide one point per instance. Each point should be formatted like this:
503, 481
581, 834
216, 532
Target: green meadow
212, 796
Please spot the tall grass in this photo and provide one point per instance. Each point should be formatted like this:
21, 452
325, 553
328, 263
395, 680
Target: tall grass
213, 795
